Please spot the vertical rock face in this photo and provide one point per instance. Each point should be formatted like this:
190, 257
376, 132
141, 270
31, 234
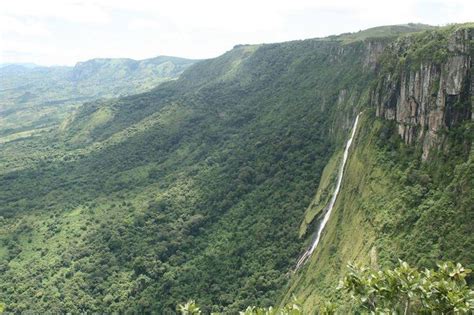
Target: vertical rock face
374, 51
428, 96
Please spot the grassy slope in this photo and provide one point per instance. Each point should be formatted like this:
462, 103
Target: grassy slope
390, 206
323, 195
384, 32
363, 179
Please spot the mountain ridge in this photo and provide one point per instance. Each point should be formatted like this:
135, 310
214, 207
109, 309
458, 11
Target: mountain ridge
36, 97
197, 189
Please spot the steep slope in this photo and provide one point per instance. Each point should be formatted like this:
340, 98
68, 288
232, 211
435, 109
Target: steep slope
38, 97
407, 192
197, 189
196, 179
190, 190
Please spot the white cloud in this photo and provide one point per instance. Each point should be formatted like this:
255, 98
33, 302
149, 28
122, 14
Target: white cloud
65, 31
144, 24
12, 25
67, 10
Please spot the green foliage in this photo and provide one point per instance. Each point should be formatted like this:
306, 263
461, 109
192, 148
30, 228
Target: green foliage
409, 52
33, 100
328, 308
293, 308
189, 308
189, 190
323, 195
396, 206
407, 290
252, 310
197, 189
401, 290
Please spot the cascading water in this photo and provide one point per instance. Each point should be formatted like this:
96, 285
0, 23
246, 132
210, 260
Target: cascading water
325, 220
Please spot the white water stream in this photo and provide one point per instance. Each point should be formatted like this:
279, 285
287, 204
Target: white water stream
325, 220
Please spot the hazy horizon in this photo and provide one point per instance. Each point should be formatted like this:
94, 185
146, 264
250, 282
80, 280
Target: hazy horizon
33, 64
55, 32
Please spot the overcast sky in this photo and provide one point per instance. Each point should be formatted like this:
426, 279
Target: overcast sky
63, 32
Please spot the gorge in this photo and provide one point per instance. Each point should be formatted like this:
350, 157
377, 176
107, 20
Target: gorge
210, 185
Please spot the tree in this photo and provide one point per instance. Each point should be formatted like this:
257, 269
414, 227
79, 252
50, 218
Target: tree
189, 308
292, 308
405, 289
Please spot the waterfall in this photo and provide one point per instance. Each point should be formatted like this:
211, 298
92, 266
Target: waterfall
325, 220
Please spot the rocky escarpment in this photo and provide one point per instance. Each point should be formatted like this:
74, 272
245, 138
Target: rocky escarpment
427, 85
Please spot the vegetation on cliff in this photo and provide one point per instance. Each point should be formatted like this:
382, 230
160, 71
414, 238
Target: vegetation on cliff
198, 188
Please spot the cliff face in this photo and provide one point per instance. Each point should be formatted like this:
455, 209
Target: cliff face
431, 95
389, 202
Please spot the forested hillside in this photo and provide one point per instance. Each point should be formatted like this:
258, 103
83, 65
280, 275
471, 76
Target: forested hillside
204, 187
34, 99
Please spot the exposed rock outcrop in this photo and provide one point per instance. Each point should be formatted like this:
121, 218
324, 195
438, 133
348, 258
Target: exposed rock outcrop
431, 96
375, 48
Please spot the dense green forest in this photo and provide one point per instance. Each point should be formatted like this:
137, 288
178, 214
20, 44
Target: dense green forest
206, 187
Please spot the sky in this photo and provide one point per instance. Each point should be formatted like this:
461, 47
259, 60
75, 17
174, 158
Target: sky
63, 32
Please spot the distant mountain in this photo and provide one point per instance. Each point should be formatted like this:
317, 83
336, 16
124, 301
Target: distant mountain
211, 186
32, 96
26, 65
113, 69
